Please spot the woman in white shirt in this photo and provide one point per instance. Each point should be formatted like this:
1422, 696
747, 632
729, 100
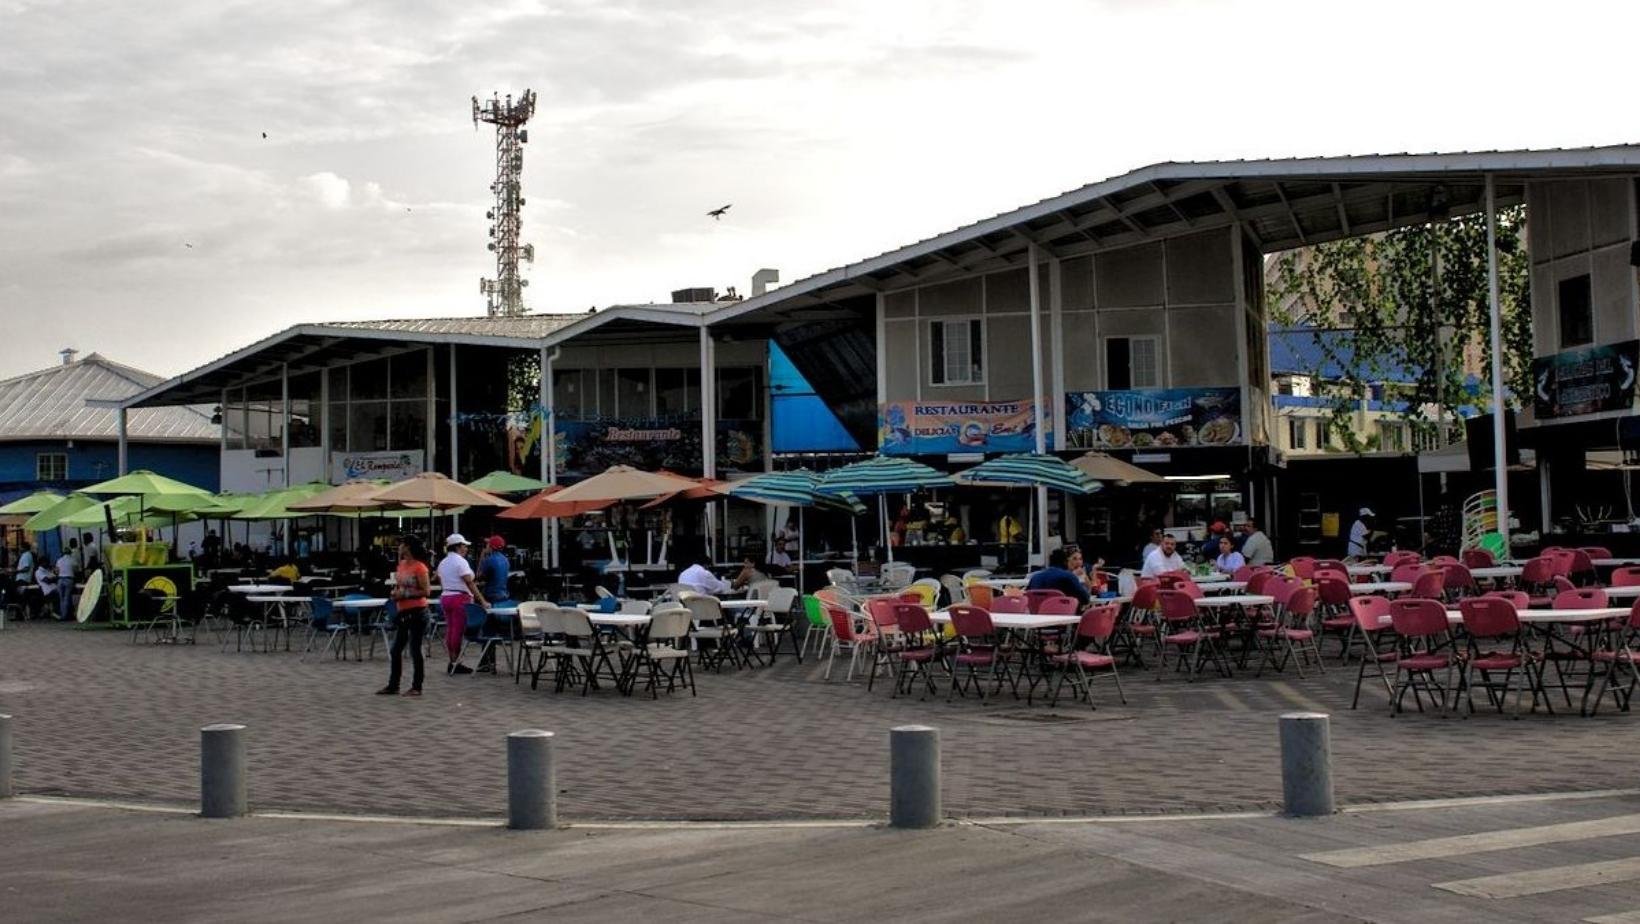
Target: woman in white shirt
455, 576
1229, 560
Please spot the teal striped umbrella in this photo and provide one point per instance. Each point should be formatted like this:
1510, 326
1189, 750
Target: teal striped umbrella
883, 475
1029, 469
797, 488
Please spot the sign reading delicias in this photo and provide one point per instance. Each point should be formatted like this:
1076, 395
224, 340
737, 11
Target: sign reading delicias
1584, 381
928, 427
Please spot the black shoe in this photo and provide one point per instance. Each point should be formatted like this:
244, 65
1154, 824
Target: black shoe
460, 669
450, 668
486, 668
388, 691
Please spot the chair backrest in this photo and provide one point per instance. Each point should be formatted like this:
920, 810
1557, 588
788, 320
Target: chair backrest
1457, 577
1430, 585
897, 574
1627, 576
1190, 587
1561, 559
669, 624
971, 621
1632, 623
842, 577
1260, 580
1596, 551
529, 615
1177, 606
1144, 597
1563, 584
1244, 573
1581, 598
912, 618
1329, 564
705, 608
1303, 566
954, 588
842, 624
1098, 622
1282, 589
601, 592
814, 610
1519, 598
636, 607
1060, 605
1489, 617
1407, 572
574, 623
1478, 558
475, 615
1034, 598
1418, 617
1333, 592
782, 600
1302, 603
1402, 557
1539, 570
1007, 604
1445, 560
1370, 612
831, 596
926, 594
881, 612
760, 590
981, 595
548, 620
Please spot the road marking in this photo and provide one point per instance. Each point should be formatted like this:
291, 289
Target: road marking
1477, 843
1553, 879
1622, 917
1291, 695
1230, 701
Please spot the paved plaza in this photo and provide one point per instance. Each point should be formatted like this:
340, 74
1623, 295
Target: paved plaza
1537, 860
98, 716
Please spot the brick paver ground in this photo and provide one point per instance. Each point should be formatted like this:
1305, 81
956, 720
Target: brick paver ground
95, 715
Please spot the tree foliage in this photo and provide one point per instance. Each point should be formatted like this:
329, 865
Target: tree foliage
1377, 298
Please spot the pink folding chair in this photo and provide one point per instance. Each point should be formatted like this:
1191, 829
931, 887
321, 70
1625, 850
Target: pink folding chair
1141, 624
1329, 564
1407, 572
1183, 632
1403, 557
845, 637
1440, 560
1609, 660
977, 648
1425, 639
1089, 651
1493, 619
1336, 619
1478, 558
1034, 598
1292, 635
1597, 552
981, 595
1329, 573
1057, 605
1372, 623
1303, 567
1537, 577
1430, 585
1007, 604
1457, 582
916, 657
1627, 576
1519, 599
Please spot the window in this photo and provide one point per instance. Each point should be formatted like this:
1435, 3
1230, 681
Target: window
568, 393
1576, 312
1296, 427
738, 392
677, 391
51, 466
1392, 436
957, 352
632, 392
1130, 362
1321, 441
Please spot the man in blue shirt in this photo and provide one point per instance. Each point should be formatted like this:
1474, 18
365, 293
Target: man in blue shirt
493, 570
1058, 577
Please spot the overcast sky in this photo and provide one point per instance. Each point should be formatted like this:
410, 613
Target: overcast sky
132, 129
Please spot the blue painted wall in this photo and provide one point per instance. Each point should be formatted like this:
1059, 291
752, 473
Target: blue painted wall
90, 462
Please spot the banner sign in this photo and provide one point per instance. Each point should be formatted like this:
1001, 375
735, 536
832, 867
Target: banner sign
1585, 381
394, 466
908, 428
1149, 418
588, 446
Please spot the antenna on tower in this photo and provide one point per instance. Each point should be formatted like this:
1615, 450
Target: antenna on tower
505, 293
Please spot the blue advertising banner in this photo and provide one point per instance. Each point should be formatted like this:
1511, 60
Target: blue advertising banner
588, 446
908, 428
1145, 418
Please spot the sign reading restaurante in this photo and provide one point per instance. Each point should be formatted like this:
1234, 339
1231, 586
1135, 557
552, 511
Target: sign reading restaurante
924, 428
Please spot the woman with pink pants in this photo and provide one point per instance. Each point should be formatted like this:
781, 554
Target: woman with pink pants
455, 576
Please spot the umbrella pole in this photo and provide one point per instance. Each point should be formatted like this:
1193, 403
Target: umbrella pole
882, 517
800, 538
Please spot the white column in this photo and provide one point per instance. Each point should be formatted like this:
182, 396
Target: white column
124, 439
1038, 398
284, 425
1499, 450
708, 404
549, 551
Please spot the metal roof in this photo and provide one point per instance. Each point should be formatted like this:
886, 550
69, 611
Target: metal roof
526, 327
51, 404
1279, 204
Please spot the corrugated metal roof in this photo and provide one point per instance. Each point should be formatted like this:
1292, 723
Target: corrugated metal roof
51, 404
530, 325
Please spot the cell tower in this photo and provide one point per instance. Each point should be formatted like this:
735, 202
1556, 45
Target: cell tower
505, 293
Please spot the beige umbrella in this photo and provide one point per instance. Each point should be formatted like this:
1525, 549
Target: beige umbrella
623, 483
438, 492
348, 497
1109, 468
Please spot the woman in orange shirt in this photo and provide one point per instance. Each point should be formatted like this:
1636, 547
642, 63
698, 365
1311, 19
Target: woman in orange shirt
410, 588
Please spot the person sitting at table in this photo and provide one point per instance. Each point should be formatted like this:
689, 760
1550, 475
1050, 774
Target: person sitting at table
1058, 576
1229, 560
1076, 563
699, 578
45, 581
1256, 547
779, 559
1210, 545
1151, 546
1163, 559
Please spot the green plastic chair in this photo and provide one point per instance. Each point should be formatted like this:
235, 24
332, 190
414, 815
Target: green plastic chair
819, 625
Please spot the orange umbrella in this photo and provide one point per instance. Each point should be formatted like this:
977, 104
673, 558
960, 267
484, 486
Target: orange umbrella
542, 506
704, 489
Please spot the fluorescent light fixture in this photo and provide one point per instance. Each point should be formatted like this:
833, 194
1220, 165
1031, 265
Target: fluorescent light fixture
1197, 477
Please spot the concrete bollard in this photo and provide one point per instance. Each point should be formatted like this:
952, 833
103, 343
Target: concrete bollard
1306, 764
5, 757
914, 776
532, 785
222, 771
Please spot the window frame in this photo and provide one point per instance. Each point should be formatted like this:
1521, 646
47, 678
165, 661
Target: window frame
1296, 435
1588, 308
40, 459
977, 334
1155, 341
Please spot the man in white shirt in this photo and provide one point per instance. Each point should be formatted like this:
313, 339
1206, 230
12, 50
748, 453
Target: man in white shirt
65, 581
1359, 531
778, 556
1256, 547
698, 578
1163, 559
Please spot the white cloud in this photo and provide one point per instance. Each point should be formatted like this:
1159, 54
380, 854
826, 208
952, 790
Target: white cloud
331, 190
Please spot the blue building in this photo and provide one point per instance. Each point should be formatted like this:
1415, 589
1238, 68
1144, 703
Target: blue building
51, 438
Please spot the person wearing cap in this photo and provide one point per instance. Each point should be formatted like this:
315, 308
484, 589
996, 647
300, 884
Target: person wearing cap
1210, 545
493, 571
1359, 531
455, 576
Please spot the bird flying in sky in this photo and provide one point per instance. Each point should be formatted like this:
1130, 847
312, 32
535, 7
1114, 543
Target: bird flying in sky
717, 214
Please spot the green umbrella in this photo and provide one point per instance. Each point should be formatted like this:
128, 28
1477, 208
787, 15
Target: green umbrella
499, 482
273, 504
144, 483
1030, 470
47, 519
32, 504
798, 488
